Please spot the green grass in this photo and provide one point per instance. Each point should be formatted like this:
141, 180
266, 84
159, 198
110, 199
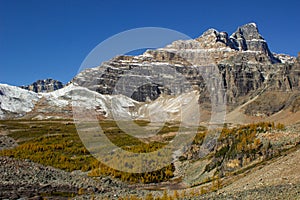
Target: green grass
56, 143
26, 130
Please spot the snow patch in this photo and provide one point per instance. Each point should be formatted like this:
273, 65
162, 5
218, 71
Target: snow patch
16, 100
253, 24
170, 108
256, 40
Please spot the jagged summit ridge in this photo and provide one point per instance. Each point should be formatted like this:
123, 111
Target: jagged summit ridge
245, 38
215, 39
244, 60
246, 65
248, 38
248, 32
239, 40
46, 85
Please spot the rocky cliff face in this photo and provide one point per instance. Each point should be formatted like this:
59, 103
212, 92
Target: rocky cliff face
245, 63
248, 75
247, 38
47, 85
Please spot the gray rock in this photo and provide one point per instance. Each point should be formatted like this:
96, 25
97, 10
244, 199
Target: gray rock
245, 63
247, 38
47, 85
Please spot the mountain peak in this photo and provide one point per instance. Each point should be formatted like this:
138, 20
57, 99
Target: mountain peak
252, 23
46, 85
245, 38
248, 32
213, 39
248, 38
210, 31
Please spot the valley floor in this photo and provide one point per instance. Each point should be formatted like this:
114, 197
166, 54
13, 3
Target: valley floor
277, 178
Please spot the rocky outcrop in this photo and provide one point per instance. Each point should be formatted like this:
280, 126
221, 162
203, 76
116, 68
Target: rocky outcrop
245, 63
47, 85
247, 38
246, 68
214, 39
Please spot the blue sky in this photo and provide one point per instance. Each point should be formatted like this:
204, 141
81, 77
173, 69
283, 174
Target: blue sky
50, 39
